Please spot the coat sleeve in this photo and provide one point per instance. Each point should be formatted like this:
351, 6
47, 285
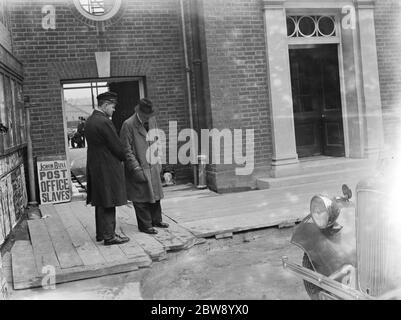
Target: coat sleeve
131, 160
112, 140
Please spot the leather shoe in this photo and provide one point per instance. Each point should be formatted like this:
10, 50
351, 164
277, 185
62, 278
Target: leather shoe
149, 231
99, 239
115, 240
161, 224
124, 238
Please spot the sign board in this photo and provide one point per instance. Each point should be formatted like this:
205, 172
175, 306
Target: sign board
54, 181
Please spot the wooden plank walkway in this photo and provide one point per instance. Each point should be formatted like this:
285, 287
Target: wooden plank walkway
223, 214
65, 239
65, 236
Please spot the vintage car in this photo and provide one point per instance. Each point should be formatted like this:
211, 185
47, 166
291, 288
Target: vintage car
353, 251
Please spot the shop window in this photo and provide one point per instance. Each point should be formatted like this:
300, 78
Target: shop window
3, 118
12, 115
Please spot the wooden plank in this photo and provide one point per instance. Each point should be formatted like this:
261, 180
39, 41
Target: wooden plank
151, 246
224, 235
244, 210
126, 214
43, 249
169, 241
79, 273
24, 267
188, 238
87, 218
84, 245
128, 225
245, 202
65, 250
237, 223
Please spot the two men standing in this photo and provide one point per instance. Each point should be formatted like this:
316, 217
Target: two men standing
107, 185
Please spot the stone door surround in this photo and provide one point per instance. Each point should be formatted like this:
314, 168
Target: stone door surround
360, 80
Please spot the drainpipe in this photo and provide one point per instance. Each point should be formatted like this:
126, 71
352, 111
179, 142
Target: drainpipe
188, 81
31, 170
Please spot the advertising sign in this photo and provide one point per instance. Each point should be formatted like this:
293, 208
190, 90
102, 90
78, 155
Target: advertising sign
54, 181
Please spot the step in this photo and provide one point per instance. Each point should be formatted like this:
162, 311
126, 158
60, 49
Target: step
316, 165
336, 176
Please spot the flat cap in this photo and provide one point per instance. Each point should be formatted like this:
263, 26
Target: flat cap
109, 95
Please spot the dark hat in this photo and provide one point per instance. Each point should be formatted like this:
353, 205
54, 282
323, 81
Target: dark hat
145, 106
107, 96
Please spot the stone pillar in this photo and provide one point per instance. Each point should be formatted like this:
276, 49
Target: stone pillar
285, 158
370, 78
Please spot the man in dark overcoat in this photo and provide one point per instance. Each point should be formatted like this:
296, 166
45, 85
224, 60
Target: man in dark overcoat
144, 186
105, 169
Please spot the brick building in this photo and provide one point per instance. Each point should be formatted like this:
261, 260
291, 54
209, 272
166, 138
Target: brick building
304, 75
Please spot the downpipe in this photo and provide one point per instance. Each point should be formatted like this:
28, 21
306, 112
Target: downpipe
333, 287
188, 83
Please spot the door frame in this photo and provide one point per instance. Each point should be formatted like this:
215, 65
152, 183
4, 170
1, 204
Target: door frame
304, 43
359, 74
142, 94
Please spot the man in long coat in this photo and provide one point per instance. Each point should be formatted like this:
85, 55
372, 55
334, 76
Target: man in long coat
144, 186
105, 169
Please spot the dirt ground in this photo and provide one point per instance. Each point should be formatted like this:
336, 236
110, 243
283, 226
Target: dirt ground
245, 267
248, 266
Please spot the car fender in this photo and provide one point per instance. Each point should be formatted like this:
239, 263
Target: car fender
328, 251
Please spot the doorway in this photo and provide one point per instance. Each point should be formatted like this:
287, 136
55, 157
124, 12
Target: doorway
79, 102
316, 96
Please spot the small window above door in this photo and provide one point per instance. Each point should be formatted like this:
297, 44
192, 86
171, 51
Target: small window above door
311, 26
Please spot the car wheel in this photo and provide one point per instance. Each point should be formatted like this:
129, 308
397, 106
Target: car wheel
312, 290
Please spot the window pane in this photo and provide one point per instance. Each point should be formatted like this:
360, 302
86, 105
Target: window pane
307, 26
76, 85
9, 107
3, 116
20, 101
15, 107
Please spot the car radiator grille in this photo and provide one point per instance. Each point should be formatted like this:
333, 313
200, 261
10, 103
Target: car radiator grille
377, 239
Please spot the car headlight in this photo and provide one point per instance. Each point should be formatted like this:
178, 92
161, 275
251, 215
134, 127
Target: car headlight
324, 211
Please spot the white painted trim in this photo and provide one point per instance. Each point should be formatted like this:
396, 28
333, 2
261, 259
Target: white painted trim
313, 40
141, 89
344, 109
66, 146
318, 4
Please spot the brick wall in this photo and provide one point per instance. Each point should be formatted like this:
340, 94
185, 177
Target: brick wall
388, 30
144, 41
234, 32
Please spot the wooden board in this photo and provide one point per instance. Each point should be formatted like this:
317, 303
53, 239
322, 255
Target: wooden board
43, 249
128, 225
151, 246
81, 241
66, 253
77, 273
237, 223
87, 219
245, 202
25, 272
172, 238
187, 237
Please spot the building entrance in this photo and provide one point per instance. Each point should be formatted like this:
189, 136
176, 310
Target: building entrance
316, 99
79, 102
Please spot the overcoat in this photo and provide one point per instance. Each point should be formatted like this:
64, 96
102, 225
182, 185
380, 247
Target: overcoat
104, 168
143, 181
